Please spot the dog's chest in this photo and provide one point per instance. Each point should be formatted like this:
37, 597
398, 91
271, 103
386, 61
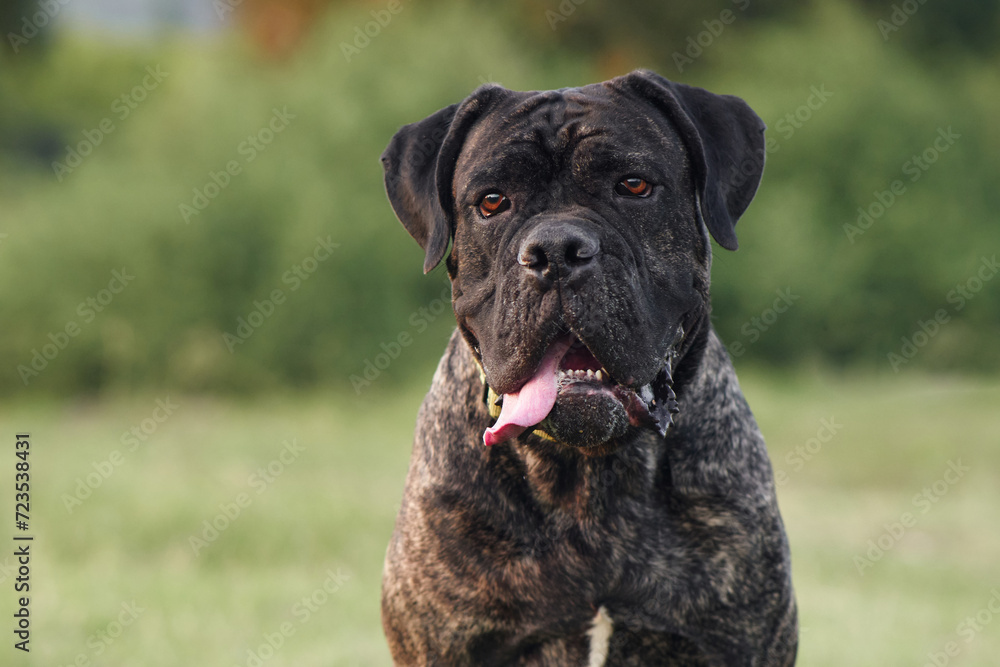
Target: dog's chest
565, 569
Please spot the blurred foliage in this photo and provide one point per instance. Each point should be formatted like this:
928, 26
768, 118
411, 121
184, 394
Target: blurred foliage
320, 178
13, 14
651, 29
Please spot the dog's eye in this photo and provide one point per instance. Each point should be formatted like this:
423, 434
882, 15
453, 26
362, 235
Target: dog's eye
493, 202
633, 186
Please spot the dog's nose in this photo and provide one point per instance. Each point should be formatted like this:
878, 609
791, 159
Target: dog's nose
558, 250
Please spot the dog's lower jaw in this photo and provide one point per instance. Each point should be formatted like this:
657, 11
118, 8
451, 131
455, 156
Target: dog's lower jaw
597, 419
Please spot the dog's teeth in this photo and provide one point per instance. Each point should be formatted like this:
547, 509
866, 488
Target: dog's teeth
599, 376
590, 374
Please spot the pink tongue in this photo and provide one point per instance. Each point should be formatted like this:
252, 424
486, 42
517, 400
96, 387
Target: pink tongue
533, 402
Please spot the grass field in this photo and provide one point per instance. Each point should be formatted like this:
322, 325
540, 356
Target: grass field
328, 510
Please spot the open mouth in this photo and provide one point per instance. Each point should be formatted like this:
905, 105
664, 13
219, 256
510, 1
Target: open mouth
571, 379
578, 364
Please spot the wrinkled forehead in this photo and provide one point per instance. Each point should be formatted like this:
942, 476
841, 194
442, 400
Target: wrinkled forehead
564, 127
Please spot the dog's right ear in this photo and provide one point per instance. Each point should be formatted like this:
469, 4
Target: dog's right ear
419, 166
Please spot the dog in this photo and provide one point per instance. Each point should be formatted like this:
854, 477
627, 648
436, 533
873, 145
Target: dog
587, 484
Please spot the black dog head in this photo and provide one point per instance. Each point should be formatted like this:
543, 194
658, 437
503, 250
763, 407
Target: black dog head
580, 220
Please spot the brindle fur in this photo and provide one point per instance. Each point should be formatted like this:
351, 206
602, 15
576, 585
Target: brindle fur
503, 555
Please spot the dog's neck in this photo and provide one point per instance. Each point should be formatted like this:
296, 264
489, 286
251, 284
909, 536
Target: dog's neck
586, 487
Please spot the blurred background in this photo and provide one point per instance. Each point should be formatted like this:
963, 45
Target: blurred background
204, 293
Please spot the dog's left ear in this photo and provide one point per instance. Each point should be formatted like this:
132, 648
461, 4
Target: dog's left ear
419, 165
725, 139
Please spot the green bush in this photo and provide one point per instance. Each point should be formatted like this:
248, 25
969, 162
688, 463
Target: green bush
320, 178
